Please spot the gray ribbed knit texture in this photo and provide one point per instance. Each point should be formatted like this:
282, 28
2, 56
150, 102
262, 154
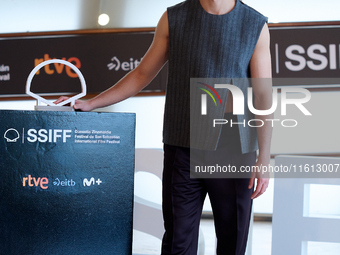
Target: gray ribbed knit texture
202, 45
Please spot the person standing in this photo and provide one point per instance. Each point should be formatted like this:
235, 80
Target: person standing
204, 39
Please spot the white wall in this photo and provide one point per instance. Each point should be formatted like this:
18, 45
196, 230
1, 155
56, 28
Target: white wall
149, 119
51, 15
297, 10
42, 15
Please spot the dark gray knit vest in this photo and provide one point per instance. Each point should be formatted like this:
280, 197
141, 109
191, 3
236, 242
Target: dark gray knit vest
202, 45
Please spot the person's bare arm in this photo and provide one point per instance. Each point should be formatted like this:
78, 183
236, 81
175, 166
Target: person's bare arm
137, 79
260, 67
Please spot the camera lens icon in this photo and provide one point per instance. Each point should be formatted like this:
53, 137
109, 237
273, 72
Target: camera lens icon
11, 135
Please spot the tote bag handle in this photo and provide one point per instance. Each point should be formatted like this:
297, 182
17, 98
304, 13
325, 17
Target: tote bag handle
43, 100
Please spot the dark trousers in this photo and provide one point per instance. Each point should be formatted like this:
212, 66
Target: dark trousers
183, 199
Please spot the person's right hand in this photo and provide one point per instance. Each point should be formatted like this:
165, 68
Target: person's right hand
78, 104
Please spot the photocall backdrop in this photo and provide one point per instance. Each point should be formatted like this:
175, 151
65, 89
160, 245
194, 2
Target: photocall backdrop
104, 58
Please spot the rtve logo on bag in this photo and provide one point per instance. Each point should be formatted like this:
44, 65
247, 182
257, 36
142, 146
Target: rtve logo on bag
38, 135
35, 182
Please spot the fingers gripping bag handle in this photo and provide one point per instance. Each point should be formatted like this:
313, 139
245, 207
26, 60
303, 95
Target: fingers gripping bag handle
50, 105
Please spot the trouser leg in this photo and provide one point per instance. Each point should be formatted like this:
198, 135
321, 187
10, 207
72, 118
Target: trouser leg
230, 197
231, 204
183, 199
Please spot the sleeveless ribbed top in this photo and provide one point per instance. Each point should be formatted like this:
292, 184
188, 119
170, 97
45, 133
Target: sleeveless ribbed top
203, 45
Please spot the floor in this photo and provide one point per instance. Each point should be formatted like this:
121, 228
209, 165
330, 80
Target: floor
261, 245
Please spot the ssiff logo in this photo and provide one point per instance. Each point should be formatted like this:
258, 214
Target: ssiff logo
316, 57
11, 135
41, 135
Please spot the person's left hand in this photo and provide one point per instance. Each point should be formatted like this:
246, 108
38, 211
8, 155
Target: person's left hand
262, 178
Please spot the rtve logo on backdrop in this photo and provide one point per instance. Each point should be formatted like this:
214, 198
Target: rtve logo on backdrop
58, 68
